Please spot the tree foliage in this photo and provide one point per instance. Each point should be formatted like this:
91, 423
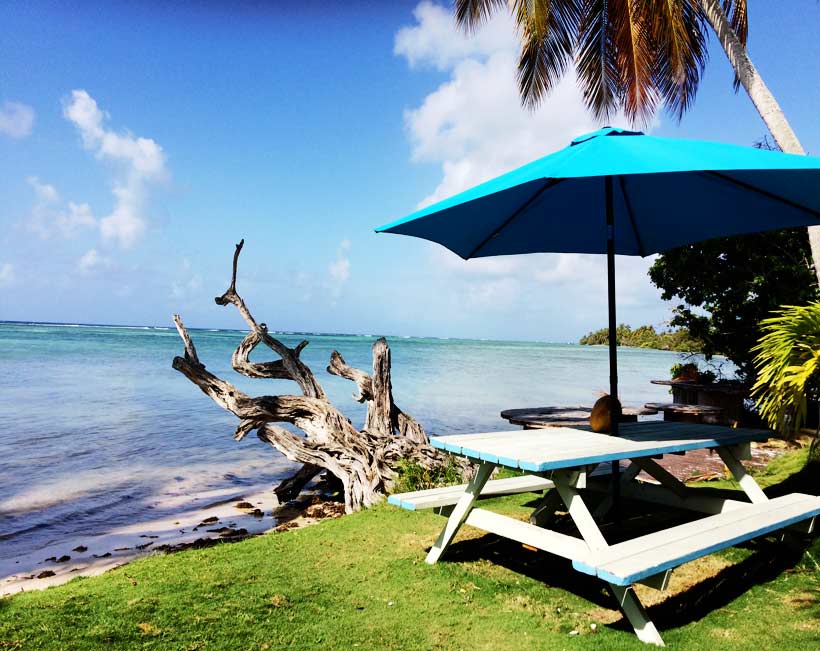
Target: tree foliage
645, 337
727, 286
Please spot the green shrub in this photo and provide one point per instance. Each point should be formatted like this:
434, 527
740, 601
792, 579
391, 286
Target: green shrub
788, 366
415, 477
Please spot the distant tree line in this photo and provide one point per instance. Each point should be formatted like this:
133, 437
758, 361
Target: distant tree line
646, 337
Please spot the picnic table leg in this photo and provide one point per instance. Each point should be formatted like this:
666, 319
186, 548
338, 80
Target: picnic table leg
636, 614
746, 481
460, 511
664, 477
578, 511
624, 477
545, 511
629, 603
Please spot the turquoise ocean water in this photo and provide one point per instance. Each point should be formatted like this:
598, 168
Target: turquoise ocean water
96, 428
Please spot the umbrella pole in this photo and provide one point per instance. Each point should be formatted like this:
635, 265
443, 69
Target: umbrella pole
613, 342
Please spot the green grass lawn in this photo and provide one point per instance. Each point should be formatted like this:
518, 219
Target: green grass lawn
361, 582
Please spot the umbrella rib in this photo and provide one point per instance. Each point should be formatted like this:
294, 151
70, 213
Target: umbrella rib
631, 216
549, 184
765, 193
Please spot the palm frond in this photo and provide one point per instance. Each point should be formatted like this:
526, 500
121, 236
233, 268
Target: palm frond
596, 61
737, 13
472, 14
635, 58
549, 30
679, 33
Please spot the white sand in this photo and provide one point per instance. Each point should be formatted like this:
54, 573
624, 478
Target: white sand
18, 573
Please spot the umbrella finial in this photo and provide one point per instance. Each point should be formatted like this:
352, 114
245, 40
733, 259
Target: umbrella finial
605, 131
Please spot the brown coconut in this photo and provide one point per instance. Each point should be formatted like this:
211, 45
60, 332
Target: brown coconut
601, 417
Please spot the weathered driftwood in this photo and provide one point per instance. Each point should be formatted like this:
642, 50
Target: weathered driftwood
363, 461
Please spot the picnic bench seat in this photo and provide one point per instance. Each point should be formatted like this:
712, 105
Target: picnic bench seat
449, 495
634, 560
433, 498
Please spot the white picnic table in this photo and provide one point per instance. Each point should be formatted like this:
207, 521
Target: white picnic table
563, 460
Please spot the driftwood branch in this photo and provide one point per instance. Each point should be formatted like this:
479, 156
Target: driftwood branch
363, 461
290, 488
190, 350
290, 367
339, 367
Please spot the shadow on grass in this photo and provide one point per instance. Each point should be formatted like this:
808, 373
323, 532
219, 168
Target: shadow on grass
768, 560
806, 480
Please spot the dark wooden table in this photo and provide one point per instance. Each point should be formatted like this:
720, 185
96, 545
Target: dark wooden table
538, 417
673, 411
729, 396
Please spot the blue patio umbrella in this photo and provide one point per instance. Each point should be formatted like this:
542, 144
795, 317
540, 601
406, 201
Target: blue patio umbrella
622, 192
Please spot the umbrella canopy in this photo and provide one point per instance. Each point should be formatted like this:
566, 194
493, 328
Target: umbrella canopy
665, 193
615, 191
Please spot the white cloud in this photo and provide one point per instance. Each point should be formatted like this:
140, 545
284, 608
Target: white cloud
45, 193
91, 261
473, 124
76, 216
41, 219
435, 41
7, 275
142, 162
474, 127
16, 119
188, 283
339, 269
48, 218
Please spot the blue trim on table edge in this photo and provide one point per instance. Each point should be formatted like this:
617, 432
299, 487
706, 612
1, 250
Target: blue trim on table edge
395, 501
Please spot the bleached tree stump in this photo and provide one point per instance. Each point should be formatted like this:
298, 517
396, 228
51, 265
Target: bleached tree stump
364, 461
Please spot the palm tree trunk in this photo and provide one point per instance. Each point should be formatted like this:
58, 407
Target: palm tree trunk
761, 97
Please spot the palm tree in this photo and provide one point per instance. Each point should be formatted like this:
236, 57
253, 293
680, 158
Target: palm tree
634, 54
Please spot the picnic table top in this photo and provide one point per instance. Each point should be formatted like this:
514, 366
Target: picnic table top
539, 450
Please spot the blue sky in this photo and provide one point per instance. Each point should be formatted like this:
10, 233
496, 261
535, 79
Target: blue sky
140, 141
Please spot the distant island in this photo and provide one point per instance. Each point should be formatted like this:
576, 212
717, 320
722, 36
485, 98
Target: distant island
646, 337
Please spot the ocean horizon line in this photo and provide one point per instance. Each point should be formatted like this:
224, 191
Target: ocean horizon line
120, 326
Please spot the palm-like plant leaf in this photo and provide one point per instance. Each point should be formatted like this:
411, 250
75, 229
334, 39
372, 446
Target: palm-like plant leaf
549, 32
629, 54
788, 362
471, 14
681, 54
596, 61
737, 13
635, 58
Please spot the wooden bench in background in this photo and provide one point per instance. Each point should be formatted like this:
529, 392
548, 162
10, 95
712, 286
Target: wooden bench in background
676, 412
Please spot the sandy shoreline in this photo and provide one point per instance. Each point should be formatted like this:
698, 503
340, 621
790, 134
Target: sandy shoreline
227, 514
